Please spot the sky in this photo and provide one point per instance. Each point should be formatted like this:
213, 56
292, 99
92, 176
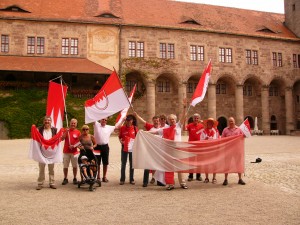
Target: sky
276, 6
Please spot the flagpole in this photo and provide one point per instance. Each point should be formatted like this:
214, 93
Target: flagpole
56, 78
123, 87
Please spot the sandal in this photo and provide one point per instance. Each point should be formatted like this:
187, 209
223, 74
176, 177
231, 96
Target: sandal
170, 187
104, 179
214, 181
184, 186
206, 180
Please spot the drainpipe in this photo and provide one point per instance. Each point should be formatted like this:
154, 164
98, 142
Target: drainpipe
120, 51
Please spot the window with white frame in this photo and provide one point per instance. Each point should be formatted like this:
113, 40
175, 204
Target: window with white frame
166, 51
69, 46
225, 55
277, 59
4, 43
197, 53
136, 49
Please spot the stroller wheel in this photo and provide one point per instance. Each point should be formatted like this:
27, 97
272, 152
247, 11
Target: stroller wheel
91, 188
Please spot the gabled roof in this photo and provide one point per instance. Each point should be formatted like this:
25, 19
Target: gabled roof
153, 13
48, 64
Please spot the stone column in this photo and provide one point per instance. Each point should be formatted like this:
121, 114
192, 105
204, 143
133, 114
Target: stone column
265, 112
150, 88
211, 94
239, 104
181, 97
289, 109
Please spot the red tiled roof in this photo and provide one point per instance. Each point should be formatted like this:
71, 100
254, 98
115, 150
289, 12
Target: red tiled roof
155, 13
47, 64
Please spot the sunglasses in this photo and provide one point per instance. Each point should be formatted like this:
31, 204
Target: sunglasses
85, 129
104, 120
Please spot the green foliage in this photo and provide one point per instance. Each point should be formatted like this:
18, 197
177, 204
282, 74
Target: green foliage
19, 109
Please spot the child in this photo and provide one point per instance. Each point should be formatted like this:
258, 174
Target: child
86, 165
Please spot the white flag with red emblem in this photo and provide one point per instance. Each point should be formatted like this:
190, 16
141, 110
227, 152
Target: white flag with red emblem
245, 127
109, 100
201, 88
123, 113
56, 103
45, 151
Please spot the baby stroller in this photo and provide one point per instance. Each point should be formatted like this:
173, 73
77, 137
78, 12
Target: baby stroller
88, 167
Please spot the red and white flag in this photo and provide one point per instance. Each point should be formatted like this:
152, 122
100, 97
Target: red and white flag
56, 103
245, 127
123, 113
45, 151
109, 100
223, 155
201, 88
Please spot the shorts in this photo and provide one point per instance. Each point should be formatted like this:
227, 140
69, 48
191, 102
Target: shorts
104, 154
70, 157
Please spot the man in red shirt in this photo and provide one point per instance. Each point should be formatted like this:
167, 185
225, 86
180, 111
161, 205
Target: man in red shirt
71, 137
126, 136
193, 128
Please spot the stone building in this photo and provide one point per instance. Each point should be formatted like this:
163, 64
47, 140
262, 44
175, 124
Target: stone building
164, 46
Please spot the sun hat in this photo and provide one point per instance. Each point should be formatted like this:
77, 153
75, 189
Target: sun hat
215, 122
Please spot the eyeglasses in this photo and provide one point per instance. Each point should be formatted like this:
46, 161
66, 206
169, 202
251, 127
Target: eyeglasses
85, 129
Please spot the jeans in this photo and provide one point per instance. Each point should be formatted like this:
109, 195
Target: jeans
123, 165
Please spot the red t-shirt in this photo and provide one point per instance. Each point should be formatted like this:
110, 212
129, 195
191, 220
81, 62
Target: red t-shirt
148, 126
192, 129
127, 135
74, 139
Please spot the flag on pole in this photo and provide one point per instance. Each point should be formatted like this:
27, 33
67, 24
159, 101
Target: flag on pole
201, 88
56, 103
45, 151
123, 113
245, 127
110, 99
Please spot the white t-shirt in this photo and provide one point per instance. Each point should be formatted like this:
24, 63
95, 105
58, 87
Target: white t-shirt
47, 134
102, 134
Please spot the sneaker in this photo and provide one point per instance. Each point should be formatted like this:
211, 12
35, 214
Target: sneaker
65, 181
122, 182
39, 187
152, 181
225, 182
132, 182
241, 182
190, 179
145, 185
75, 181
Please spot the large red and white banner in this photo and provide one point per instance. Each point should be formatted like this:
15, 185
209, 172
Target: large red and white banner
56, 103
224, 155
109, 100
45, 151
201, 88
123, 113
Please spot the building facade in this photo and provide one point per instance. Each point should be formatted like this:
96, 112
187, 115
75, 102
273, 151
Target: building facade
164, 46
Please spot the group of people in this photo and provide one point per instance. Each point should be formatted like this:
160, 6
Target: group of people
164, 126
